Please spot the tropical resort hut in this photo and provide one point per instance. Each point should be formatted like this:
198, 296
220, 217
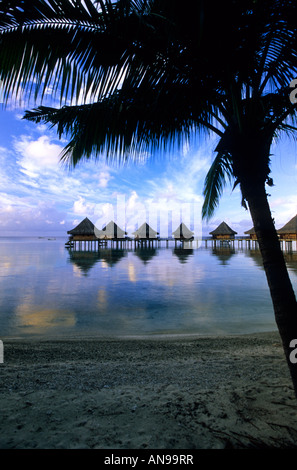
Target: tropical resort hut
183, 233
223, 232
289, 230
112, 231
83, 234
252, 238
251, 233
145, 232
85, 230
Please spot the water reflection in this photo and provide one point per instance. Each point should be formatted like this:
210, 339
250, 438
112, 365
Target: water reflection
183, 254
255, 255
224, 254
291, 261
86, 260
289, 256
145, 254
112, 256
43, 319
133, 291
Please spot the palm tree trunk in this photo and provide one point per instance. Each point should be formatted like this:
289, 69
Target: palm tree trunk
281, 290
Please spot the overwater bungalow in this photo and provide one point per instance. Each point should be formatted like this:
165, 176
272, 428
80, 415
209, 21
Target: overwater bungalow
223, 232
112, 232
145, 232
251, 233
183, 233
289, 230
84, 231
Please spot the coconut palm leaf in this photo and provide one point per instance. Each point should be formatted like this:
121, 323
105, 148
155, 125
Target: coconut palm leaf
68, 46
148, 69
126, 125
219, 174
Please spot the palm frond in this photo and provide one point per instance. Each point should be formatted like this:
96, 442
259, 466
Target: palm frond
149, 72
124, 125
216, 179
68, 46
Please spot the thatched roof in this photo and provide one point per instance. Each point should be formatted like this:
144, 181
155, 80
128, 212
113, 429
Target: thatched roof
251, 231
145, 231
111, 230
290, 227
86, 227
223, 229
182, 231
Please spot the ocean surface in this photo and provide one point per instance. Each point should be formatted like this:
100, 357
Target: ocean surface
46, 290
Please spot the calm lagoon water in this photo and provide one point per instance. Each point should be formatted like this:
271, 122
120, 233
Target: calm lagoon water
46, 290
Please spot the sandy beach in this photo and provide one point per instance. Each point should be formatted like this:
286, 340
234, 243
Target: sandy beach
147, 393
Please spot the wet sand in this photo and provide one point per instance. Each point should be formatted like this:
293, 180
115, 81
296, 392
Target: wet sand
147, 393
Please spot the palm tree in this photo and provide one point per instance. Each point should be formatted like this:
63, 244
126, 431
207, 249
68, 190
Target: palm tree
135, 76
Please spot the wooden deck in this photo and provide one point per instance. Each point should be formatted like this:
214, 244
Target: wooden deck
128, 243
91, 245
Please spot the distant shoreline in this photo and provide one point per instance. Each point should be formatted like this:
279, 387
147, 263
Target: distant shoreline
143, 337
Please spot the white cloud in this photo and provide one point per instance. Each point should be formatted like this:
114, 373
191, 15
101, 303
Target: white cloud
28, 182
283, 209
19, 216
37, 189
83, 208
42, 128
104, 178
182, 181
37, 156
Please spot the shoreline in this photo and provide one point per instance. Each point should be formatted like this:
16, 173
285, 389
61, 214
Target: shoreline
150, 336
152, 392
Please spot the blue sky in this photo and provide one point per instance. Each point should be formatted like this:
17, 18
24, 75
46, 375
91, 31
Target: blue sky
40, 196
